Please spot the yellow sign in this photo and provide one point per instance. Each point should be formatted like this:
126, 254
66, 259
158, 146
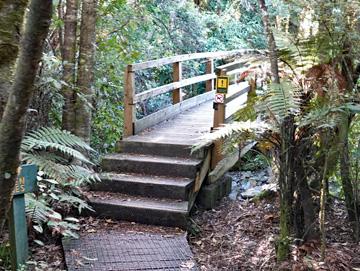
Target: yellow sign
20, 185
222, 84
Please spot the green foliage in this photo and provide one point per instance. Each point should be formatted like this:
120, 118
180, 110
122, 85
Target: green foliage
234, 133
5, 256
253, 161
283, 100
146, 30
63, 162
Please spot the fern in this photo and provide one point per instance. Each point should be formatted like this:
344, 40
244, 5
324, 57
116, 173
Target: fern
245, 130
63, 168
56, 136
282, 100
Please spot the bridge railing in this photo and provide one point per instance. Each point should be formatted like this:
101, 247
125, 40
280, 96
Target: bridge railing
132, 125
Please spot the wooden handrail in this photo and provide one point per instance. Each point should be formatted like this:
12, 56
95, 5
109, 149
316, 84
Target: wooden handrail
172, 86
180, 58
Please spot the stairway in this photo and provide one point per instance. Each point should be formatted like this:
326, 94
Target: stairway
152, 178
147, 182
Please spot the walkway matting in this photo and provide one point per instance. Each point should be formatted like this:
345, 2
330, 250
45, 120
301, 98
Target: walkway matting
127, 252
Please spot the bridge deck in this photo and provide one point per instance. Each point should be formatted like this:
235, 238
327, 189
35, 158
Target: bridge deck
187, 127
184, 129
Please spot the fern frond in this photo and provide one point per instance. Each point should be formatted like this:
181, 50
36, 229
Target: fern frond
57, 136
36, 209
29, 144
248, 129
60, 172
248, 112
323, 117
283, 99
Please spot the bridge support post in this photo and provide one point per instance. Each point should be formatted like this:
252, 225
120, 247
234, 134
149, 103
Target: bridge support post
219, 120
210, 70
129, 105
177, 76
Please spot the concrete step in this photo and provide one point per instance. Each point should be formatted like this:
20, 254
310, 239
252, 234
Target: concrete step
145, 185
151, 165
165, 212
145, 146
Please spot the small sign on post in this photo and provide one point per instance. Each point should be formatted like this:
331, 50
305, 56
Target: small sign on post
222, 84
219, 98
17, 218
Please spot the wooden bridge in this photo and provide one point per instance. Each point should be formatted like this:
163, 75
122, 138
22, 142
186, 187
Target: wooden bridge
154, 178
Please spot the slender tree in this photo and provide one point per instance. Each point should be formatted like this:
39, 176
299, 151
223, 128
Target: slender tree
13, 121
11, 19
86, 70
69, 67
271, 42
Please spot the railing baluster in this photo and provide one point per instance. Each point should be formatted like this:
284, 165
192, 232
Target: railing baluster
210, 70
177, 76
130, 108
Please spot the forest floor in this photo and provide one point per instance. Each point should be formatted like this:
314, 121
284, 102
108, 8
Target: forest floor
239, 234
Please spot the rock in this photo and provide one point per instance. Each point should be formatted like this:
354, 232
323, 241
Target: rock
252, 192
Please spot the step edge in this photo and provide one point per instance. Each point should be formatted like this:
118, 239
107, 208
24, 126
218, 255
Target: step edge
181, 182
110, 202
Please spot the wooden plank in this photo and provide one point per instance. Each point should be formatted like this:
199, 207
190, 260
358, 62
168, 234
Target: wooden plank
170, 87
129, 105
233, 106
210, 70
223, 166
201, 175
179, 58
237, 90
240, 63
171, 111
177, 76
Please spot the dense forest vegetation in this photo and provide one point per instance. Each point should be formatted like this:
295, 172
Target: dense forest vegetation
62, 69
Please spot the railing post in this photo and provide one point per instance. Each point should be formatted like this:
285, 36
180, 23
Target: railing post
130, 108
177, 76
219, 120
209, 70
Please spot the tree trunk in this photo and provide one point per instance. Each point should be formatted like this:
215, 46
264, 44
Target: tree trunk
13, 121
85, 80
11, 19
310, 230
271, 43
287, 131
69, 60
345, 167
286, 182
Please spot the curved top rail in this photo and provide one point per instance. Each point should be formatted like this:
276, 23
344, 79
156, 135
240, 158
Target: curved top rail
178, 58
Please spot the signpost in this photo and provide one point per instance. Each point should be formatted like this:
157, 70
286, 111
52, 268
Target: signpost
17, 218
222, 86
